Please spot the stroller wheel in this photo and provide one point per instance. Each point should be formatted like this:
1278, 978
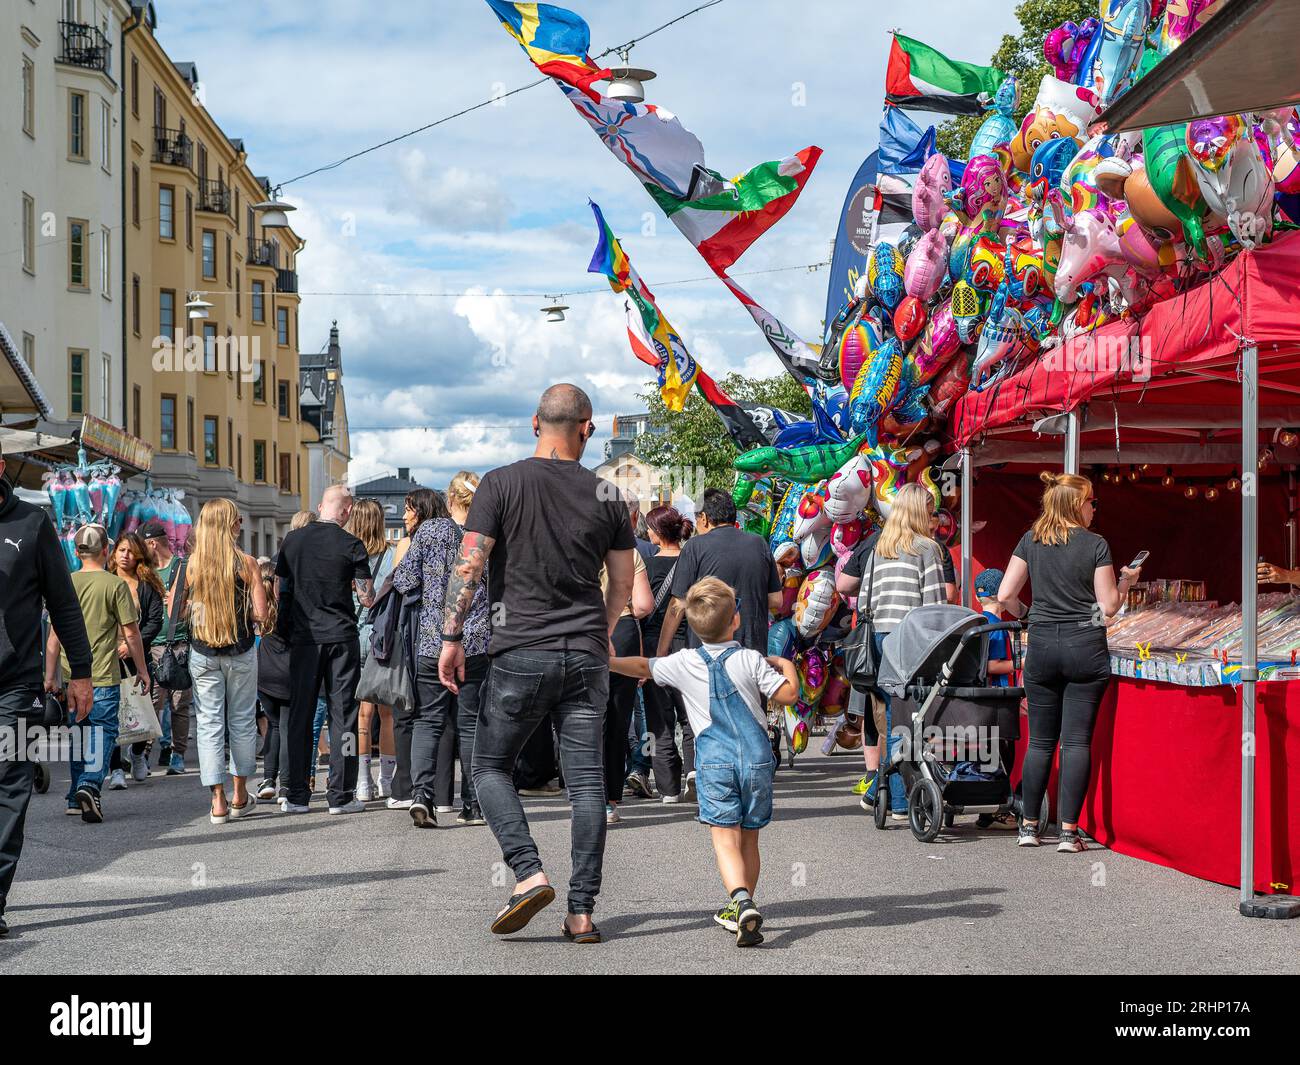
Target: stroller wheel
925, 810
984, 820
880, 809
41, 778
1044, 814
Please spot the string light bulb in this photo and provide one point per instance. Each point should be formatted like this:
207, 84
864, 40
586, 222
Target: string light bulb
1211, 493
1189, 492
1287, 438
1234, 482
1168, 479
1133, 474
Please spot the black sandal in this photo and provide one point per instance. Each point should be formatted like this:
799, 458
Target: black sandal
522, 908
592, 935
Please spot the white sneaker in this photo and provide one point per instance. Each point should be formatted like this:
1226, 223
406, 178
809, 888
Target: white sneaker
399, 804
444, 809
669, 800
287, 807
611, 814
356, 806
117, 780
383, 788
139, 766
365, 788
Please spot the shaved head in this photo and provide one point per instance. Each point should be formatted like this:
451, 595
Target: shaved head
563, 405
336, 503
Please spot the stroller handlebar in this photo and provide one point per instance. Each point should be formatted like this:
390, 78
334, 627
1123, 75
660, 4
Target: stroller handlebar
984, 630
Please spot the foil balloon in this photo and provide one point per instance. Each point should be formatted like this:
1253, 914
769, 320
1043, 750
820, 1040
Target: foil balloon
885, 274
1066, 45
876, 389
983, 189
1234, 179
909, 319
810, 514
1117, 48
856, 345
813, 669
1090, 247
848, 490
808, 464
999, 127
781, 638
938, 344
1286, 159
1060, 110
967, 310
927, 266
888, 468
1168, 170
1182, 19
950, 386
816, 603
930, 192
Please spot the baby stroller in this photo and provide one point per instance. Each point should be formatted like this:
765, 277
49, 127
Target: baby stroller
960, 730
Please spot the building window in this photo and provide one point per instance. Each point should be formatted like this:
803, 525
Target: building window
29, 234
77, 125
106, 136
209, 347
135, 90
286, 472
167, 423
282, 326
282, 399
239, 299
210, 456
166, 215
209, 255
159, 108
259, 301
230, 442
230, 255
29, 97
166, 312
29, 351
135, 306
77, 382
135, 410
239, 456
236, 211
135, 195
259, 383
189, 219
106, 262
259, 461
77, 253
106, 384
189, 425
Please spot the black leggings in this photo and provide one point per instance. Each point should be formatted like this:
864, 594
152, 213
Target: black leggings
1067, 670
618, 711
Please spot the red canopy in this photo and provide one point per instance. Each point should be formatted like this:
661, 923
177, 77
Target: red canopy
1184, 350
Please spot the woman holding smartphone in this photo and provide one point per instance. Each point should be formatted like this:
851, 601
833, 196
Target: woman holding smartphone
1067, 668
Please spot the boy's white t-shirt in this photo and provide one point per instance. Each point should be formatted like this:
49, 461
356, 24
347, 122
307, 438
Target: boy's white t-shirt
684, 670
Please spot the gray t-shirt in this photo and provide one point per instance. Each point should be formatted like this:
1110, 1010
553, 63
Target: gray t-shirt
1061, 577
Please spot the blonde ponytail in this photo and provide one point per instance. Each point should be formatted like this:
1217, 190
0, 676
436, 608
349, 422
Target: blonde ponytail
1064, 495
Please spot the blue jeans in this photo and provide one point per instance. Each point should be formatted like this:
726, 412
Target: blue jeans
897, 793
523, 687
225, 712
98, 738
637, 759
317, 727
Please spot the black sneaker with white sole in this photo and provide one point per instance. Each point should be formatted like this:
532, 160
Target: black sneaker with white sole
1027, 835
1071, 842
92, 811
471, 816
748, 923
421, 815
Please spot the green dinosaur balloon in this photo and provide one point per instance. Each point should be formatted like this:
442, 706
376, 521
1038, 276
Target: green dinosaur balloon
810, 463
742, 491
1164, 154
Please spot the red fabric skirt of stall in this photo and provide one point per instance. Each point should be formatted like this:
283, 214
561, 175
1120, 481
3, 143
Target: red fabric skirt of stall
1166, 780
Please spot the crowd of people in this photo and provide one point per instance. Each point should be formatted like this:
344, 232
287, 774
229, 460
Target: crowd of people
532, 626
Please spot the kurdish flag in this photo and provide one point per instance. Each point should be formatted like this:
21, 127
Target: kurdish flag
555, 39
921, 79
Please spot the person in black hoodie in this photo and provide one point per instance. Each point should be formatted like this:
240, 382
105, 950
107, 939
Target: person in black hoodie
33, 571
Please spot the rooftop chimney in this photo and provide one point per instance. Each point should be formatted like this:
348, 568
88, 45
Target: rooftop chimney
403, 473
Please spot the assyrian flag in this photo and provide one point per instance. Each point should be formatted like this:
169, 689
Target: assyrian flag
555, 39
921, 79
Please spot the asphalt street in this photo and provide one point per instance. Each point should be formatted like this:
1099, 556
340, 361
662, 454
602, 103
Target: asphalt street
156, 888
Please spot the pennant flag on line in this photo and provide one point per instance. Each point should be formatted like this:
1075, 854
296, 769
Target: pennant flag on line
555, 39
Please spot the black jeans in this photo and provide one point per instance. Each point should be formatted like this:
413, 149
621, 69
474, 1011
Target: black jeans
15, 786
621, 704
1067, 670
436, 715
535, 767
523, 687
332, 669
275, 754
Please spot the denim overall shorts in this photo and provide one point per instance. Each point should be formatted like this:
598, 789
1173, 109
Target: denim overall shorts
733, 756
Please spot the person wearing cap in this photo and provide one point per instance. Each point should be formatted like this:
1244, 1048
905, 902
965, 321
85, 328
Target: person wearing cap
171, 705
33, 571
986, 591
109, 613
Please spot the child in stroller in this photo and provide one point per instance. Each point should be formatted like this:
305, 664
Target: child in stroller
958, 726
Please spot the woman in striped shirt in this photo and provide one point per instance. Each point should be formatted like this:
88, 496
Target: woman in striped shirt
904, 571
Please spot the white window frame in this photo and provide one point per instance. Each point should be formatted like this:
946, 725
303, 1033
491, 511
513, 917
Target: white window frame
29, 234
106, 136
29, 96
106, 262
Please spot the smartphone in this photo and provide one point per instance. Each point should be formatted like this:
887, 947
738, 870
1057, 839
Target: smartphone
1139, 559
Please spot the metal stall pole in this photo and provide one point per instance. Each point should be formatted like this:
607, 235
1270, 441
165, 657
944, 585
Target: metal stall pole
967, 510
1251, 905
1073, 422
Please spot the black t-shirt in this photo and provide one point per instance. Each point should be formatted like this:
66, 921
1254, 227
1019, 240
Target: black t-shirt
860, 560
741, 560
318, 564
554, 522
657, 569
1061, 577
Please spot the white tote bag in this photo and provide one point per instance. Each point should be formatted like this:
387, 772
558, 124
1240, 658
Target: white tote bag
136, 720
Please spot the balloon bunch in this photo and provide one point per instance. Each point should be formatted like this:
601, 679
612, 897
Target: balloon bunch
80, 494
138, 506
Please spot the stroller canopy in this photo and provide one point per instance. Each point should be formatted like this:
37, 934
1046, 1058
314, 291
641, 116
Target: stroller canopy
922, 643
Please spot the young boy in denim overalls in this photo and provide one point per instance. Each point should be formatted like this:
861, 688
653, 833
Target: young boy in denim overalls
724, 687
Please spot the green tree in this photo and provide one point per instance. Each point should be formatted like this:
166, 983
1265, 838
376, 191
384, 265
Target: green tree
1022, 55
695, 440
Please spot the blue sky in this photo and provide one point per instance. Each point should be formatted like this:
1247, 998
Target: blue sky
496, 201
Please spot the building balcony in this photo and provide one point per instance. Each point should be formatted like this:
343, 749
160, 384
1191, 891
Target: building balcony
85, 46
263, 253
172, 148
214, 196
286, 281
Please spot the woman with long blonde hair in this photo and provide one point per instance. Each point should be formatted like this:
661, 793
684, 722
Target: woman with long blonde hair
225, 601
1067, 669
366, 523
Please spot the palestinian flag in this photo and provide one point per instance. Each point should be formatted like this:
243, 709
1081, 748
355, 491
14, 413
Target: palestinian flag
921, 79
723, 218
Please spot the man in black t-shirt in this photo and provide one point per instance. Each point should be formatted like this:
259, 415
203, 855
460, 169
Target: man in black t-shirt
740, 560
318, 566
547, 526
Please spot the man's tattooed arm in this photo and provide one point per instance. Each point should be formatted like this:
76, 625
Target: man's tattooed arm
463, 581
